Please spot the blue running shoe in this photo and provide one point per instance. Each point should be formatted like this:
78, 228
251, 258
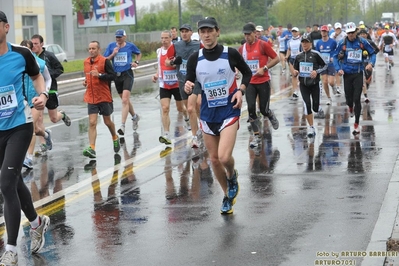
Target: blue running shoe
227, 206
233, 187
28, 163
49, 142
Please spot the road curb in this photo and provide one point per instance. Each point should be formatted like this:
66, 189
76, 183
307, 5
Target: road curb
382, 232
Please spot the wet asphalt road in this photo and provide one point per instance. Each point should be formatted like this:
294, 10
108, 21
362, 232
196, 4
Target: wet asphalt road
299, 201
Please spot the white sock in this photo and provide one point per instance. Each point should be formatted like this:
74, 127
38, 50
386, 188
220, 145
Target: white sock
11, 248
29, 156
35, 223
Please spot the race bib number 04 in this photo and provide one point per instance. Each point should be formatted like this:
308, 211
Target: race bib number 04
8, 101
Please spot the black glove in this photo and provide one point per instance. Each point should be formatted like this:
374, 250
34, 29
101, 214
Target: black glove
178, 60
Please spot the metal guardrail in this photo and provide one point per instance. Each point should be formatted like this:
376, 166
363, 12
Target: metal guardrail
83, 78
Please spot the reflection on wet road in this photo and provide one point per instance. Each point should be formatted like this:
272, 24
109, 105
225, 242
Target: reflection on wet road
152, 204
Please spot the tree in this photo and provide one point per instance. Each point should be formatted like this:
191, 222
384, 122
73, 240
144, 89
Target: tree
81, 5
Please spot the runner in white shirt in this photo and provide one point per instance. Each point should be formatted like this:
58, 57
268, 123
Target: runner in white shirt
338, 35
387, 42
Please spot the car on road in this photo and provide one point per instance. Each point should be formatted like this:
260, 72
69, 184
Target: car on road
57, 50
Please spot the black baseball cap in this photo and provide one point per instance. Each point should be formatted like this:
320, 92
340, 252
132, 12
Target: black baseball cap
363, 31
208, 22
3, 17
186, 26
306, 38
248, 28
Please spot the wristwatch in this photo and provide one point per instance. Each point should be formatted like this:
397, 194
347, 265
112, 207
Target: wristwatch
242, 91
137, 62
265, 68
45, 93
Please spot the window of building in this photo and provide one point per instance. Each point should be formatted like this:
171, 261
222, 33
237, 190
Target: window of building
29, 26
59, 30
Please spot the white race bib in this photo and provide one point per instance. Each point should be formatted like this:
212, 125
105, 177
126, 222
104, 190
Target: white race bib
326, 57
305, 68
170, 76
216, 93
8, 101
253, 65
354, 56
294, 52
183, 67
120, 59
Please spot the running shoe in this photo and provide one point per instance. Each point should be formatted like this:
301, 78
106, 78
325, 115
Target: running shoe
135, 120
356, 129
194, 142
65, 118
319, 114
121, 130
255, 141
273, 119
89, 152
9, 258
117, 145
351, 113
338, 91
329, 101
311, 132
233, 187
165, 140
334, 89
37, 235
188, 125
294, 96
227, 206
49, 142
28, 163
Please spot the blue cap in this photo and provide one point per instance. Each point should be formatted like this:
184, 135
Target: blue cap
120, 33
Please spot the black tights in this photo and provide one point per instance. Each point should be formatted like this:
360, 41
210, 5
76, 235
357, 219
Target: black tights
263, 92
13, 146
353, 85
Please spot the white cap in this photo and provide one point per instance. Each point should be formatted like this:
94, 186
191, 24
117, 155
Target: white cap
337, 25
350, 27
329, 25
361, 22
259, 28
295, 29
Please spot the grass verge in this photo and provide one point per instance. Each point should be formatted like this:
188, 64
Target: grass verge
77, 65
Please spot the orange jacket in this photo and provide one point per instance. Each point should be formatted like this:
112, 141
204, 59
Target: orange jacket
97, 90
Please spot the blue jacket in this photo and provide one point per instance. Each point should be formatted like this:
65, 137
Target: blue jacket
352, 61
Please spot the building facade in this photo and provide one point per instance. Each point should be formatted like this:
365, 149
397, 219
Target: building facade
53, 19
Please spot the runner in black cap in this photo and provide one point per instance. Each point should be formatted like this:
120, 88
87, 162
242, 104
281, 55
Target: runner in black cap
214, 67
